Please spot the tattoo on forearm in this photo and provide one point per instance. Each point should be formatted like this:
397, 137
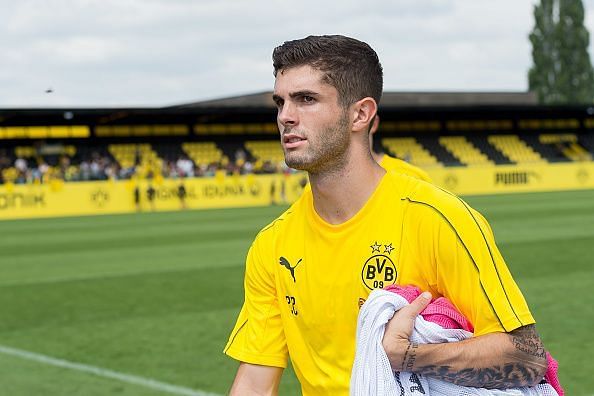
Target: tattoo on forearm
410, 356
526, 340
525, 370
506, 376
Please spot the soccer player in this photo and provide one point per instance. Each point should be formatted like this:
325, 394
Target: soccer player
359, 228
391, 163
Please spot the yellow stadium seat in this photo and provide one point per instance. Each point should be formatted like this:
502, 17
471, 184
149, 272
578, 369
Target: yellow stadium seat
464, 150
515, 149
409, 149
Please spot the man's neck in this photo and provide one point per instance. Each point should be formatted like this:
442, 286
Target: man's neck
377, 156
341, 193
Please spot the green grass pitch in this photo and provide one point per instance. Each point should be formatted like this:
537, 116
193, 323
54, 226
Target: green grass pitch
155, 295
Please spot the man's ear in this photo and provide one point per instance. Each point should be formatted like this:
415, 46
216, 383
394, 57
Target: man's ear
364, 111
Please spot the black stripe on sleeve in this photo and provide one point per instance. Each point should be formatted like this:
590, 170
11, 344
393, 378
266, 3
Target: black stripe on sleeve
492, 259
467, 251
235, 335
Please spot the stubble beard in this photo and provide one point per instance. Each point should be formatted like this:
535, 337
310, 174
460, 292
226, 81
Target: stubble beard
327, 154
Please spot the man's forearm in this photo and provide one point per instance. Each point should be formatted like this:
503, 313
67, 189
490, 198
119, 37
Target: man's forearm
498, 360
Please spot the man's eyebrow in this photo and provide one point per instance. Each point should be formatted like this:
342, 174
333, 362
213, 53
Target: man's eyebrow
303, 93
297, 94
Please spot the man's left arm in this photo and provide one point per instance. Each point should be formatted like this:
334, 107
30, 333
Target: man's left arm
494, 360
466, 267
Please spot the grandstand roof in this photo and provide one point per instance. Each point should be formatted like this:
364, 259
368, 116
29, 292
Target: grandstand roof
389, 99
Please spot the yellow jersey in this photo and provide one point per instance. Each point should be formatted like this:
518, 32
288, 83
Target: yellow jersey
398, 165
306, 279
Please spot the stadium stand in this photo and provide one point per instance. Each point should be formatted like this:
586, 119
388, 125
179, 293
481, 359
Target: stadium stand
481, 141
515, 149
203, 153
236, 136
431, 143
410, 150
265, 150
587, 142
464, 150
265, 153
566, 144
38, 160
129, 155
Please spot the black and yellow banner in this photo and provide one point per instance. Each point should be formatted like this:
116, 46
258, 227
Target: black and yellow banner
92, 198
478, 180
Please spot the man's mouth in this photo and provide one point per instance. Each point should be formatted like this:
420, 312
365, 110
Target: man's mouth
292, 140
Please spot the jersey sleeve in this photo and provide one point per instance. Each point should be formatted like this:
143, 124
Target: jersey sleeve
468, 268
258, 336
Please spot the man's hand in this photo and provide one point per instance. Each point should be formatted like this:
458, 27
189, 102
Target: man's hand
396, 342
494, 360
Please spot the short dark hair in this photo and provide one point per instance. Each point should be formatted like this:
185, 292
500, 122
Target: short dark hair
351, 66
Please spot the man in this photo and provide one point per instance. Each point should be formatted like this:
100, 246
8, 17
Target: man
391, 163
359, 228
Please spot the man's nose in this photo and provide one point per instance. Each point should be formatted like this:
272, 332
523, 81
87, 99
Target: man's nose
287, 115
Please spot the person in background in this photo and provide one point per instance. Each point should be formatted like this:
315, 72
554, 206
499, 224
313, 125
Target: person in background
137, 195
150, 195
182, 193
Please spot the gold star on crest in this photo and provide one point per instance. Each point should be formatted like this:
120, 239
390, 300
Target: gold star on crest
388, 248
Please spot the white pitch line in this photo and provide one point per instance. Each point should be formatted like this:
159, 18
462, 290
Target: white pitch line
101, 372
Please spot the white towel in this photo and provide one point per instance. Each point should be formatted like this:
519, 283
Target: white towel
372, 373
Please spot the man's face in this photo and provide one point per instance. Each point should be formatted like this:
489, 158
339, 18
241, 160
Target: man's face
314, 128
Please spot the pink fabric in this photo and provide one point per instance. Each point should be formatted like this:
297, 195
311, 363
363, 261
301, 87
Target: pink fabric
551, 375
409, 292
439, 311
442, 312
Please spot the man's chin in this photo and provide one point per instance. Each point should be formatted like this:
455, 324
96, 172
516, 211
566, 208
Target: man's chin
298, 166
297, 163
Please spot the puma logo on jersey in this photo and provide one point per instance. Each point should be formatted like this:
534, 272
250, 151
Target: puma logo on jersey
285, 263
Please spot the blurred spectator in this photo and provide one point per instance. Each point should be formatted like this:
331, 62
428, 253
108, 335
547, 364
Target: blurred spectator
21, 164
268, 167
185, 166
182, 193
248, 167
169, 170
150, 196
85, 171
137, 197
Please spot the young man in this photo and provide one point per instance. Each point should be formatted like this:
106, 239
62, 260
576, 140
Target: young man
360, 228
391, 163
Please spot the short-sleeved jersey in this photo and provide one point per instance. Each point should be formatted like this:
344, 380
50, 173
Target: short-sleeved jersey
400, 166
306, 279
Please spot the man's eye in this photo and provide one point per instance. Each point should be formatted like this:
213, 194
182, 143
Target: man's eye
308, 99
